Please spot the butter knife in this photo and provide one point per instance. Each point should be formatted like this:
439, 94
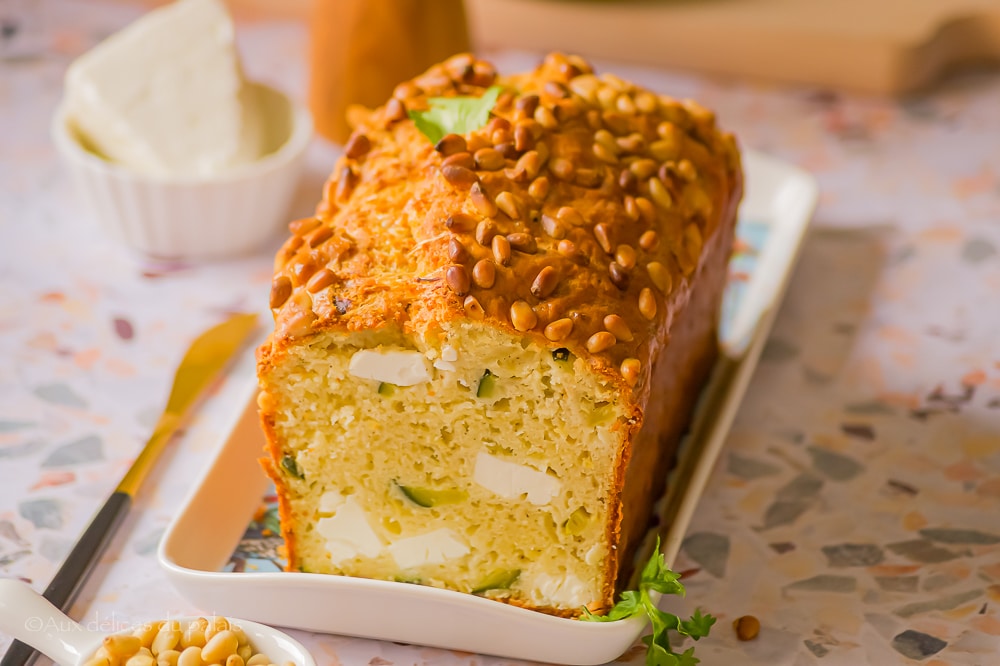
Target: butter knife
203, 362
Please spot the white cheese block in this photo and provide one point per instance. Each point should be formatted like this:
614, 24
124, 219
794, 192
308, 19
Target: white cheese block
166, 95
566, 591
511, 480
347, 532
402, 368
434, 547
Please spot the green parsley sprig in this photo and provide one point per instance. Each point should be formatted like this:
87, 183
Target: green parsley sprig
656, 576
455, 115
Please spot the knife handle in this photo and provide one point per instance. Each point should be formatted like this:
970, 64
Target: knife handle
76, 568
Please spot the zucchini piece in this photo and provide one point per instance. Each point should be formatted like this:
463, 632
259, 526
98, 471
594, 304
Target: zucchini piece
428, 497
292, 467
487, 385
386, 389
501, 579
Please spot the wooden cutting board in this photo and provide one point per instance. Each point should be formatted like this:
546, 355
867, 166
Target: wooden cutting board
878, 46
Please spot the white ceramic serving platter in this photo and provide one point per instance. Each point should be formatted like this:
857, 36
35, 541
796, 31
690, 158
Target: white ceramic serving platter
778, 204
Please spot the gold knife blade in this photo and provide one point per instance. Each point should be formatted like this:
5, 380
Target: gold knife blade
204, 360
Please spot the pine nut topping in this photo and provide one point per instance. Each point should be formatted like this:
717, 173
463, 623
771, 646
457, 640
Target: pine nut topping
553, 227
659, 193
603, 237
615, 325
281, 289
625, 256
481, 201
458, 279
545, 118
523, 138
660, 276
600, 341
627, 181
630, 369
646, 210
570, 216
488, 159
357, 146
506, 202
649, 240
485, 231
604, 154
523, 242
321, 280
320, 236
647, 303
457, 252
527, 104
463, 160
539, 188
545, 282
450, 144
460, 223
522, 317
501, 250
619, 276
562, 168
631, 208
484, 273
458, 176
473, 309
588, 178
643, 168
304, 226
394, 110
530, 163
559, 329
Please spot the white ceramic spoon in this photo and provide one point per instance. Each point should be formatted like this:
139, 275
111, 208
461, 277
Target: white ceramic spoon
29, 617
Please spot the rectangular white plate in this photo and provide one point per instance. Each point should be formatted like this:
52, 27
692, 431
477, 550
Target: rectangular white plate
197, 546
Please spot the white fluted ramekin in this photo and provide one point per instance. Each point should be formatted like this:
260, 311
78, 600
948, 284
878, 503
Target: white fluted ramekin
195, 218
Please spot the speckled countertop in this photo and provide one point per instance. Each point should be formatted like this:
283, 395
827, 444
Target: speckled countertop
855, 509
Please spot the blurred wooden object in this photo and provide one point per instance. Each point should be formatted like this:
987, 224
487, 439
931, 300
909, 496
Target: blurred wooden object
360, 50
877, 46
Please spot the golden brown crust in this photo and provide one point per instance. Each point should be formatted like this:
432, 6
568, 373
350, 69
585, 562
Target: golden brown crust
578, 216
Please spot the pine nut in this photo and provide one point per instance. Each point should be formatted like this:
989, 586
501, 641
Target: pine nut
245, 652
603, 154
234, 660
627, 181
506, 202
589, 178
523, 242
649, 240
602, 234
545, 282
544, 116
220, 646
625, 104
168, 658
539, 188
522, 317
357, 146
450, 144
485, 231
659, 193
646, 210
167, 638
193, 635
474, 310
190, 657
570, 216
615, 325
501, 250
140, 659
625, 255
463, 159
530, 163
553, 227
484, 273
643, 168
457, 252
646, 102
458, 279
660, 276
665, 149
321, 280
147, 632
258, 660
559, 329
647, 303
481, 201
488, 159
121, 646
460, 222
459, 176
630, 369
97, 661
631, 209
600, 341
619, 276
562, 168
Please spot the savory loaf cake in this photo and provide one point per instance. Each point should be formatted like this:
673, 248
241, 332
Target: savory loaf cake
487, 346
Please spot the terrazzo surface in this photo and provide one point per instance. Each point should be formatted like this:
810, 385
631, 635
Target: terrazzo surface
855, 509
